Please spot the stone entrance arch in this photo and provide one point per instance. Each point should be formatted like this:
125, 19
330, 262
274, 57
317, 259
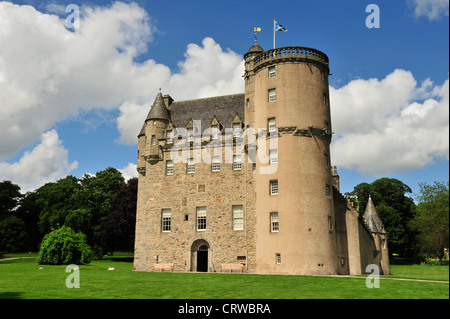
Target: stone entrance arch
200, 255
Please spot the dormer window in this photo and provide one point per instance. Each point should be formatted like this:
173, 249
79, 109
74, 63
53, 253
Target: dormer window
215, 132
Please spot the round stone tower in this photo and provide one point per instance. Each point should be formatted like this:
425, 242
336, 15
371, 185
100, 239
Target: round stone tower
286, 94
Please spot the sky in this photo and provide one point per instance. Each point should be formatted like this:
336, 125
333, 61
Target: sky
74, 97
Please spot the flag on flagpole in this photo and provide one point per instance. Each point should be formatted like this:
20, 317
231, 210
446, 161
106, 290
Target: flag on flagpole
277, 27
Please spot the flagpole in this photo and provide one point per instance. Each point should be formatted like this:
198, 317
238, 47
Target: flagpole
274, 33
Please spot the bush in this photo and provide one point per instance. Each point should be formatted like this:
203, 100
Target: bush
63, 246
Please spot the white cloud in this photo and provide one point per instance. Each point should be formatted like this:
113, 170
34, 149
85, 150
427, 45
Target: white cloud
129, 171
48, 73
433, 9
389, 125
47, 162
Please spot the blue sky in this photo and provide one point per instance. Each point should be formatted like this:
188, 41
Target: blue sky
74, 100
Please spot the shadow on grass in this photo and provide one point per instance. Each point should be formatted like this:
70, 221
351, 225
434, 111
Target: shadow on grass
10, 295
128, 259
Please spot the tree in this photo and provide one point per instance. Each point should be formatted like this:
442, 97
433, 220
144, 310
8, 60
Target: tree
118, 229
9, 198
432, 219
63, 246
12, 234
394, 208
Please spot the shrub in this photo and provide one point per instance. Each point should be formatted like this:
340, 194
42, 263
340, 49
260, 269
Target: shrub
63, 246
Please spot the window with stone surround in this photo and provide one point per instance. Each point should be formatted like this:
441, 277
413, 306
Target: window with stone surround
272, 95
273, 156
238, 217
237, 162
166, 220
169, 167
274, 223
215, 163
190, 166
201, 218
274, 187
272, 125
272, 72
278, 258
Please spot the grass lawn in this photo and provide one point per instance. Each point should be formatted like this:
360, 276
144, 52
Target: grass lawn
22, 278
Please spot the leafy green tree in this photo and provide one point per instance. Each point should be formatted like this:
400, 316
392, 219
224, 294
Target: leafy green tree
55, 200
395, 209
12, 234
118, 229
431, 220
64, 246
9, 198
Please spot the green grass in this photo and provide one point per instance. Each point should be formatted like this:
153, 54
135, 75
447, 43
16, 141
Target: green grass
22, 278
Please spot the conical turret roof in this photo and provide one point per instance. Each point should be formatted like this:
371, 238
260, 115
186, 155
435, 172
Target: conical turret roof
372, 219
158, 110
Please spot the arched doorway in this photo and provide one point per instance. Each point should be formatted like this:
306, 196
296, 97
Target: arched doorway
200, 255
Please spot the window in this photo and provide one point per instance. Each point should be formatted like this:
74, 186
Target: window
322, 75
215, 163
327, 127
273, 156
190, 167
273, 187
169, 137
327, 190
215, 132
274, 224
166, 220
201, 218
169, 167
324, 99
241, 258
325, 159
237, 162
153, 139
278, 258
272, 72
247, 103
272, 95
236, 129
238, 217
330, 223
190, 134
272, 125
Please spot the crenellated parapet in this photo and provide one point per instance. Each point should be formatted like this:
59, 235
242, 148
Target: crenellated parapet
286, 54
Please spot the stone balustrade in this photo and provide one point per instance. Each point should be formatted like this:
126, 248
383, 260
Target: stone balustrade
291, 53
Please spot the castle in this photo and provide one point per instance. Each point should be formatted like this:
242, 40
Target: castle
246, 179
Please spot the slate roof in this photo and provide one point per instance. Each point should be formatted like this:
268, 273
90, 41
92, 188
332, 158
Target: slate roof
158, 110
372, 219
224, 108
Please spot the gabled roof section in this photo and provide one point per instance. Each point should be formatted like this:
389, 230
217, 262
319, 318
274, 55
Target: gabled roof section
372, 219
158, 110
223, 108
